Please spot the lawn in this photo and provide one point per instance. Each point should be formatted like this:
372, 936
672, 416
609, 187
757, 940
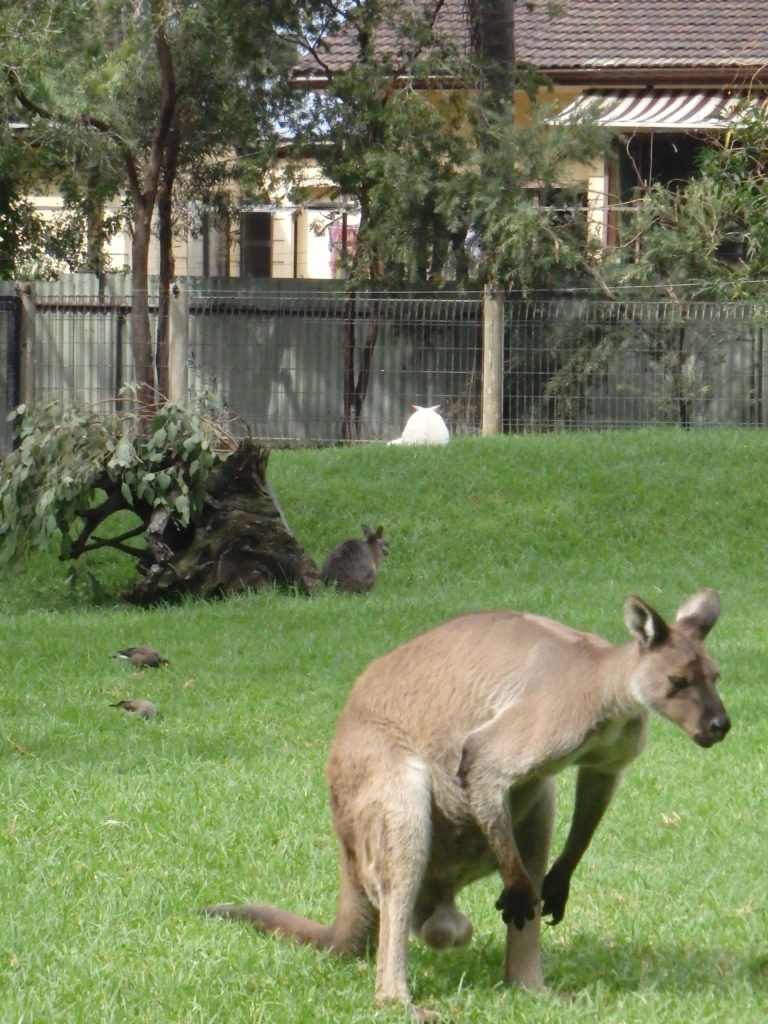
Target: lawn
113, 831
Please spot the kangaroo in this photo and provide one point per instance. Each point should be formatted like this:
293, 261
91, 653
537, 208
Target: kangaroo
354, 564
442, 771
425, 425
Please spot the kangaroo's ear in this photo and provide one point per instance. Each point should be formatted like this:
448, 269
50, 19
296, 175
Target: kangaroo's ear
645, 623
379, 532
699, 612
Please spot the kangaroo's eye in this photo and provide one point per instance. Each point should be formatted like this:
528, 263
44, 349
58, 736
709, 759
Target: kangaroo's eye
678, 682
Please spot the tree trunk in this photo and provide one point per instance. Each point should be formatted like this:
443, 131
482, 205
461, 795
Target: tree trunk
141, 340
239, 541
167, 265
494, 41
144, 187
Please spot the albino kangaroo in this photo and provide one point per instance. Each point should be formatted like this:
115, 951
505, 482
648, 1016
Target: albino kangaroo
425, 425
354, 564
441, 771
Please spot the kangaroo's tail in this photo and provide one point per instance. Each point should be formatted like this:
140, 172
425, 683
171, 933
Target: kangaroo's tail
289, 925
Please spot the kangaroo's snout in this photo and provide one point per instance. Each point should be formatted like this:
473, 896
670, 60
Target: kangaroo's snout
717, 730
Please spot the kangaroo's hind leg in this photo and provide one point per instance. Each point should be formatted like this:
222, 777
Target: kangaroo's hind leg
388, 829
533, 835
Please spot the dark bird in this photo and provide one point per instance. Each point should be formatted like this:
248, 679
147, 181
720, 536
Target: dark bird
143, 708
142, 656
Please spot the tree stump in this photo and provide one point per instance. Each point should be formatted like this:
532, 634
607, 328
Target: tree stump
239, 540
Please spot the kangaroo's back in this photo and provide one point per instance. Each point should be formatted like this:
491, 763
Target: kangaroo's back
439, 686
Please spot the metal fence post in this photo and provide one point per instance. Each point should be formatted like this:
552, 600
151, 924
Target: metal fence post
178, 345
27, 343
493, 360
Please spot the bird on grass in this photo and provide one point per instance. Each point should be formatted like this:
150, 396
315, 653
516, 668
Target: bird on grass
143, 657
142, 708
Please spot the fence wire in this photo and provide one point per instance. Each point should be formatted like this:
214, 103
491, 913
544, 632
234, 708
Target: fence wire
596, 365
316, 365
295, 367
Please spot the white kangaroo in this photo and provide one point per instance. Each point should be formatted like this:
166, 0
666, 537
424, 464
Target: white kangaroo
442, 771
425, 425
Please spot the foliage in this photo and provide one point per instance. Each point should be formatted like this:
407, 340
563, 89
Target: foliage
529, 228
75, 468
123, 98
433, 169
441, 182
116, 831
385, 146
709, 237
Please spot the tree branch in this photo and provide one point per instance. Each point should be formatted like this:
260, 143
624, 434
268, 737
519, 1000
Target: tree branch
111, 542
78, 121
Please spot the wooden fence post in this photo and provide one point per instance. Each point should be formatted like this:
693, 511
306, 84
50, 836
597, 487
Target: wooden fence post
493, 360
27, 343
178, 346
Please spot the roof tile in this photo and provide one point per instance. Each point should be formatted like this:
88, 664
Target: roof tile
643, 33
610, 35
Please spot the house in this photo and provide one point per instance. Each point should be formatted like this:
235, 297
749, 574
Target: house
662, 74
280, 240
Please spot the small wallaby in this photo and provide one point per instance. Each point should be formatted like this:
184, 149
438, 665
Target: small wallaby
353, 564
442, 771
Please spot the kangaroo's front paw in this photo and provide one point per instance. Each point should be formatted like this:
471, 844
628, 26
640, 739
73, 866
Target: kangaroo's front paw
517, 905
555, 895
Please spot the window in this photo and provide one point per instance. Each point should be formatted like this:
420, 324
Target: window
256, 245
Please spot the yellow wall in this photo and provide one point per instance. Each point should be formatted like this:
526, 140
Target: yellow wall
307, 229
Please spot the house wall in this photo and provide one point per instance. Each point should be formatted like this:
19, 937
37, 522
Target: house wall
304, 238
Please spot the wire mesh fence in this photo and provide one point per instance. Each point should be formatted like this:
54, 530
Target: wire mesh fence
590, 364
84, 350
322, 366
9, 364
314, 364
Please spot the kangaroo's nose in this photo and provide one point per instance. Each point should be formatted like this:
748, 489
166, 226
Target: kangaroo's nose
719, 726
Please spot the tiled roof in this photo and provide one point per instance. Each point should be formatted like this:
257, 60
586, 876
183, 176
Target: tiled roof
340, 50
725, 38
598, 34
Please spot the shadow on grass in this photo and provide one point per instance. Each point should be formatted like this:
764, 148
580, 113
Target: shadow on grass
618, 966
627, 966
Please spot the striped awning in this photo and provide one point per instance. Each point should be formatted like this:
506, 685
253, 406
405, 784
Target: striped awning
654, 110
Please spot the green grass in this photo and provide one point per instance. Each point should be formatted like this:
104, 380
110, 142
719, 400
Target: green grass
113, 832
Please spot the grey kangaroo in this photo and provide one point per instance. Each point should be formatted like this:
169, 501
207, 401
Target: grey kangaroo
354, 564
442, 771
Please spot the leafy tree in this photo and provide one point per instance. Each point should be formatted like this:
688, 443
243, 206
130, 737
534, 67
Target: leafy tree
128, 96
702, 239
415, 128
385, 145
174, 490
529, 230
708, 238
